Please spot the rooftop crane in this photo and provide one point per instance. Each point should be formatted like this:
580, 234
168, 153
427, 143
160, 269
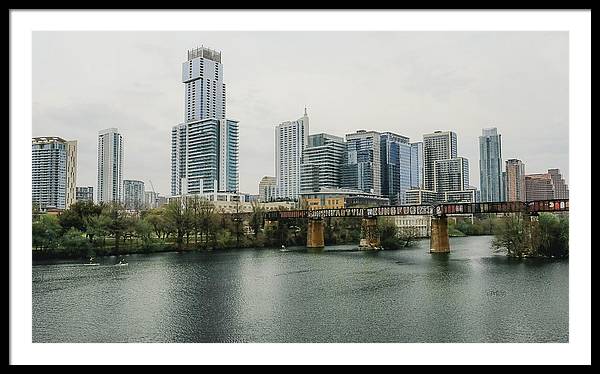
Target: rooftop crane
154, 194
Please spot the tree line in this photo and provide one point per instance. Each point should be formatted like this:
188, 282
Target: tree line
89, 229
192, 223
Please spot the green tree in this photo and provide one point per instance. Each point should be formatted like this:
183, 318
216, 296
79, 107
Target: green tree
237, 223
35, 211
143, 230
117, 223
78, 214
393, 237
553, 235
46, 232
453, 228
224, 239
510, 237
130, 228
257, 218
203, 220
408, 235
69, 219
388, 234
97, 227
156, 218
548, 236
178, 217
74, 243
213, 227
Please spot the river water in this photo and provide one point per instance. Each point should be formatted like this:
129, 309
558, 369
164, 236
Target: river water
338, 295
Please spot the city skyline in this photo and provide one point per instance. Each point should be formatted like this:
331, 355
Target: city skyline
256, 100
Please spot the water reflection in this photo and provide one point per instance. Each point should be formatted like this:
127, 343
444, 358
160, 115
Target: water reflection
335, 295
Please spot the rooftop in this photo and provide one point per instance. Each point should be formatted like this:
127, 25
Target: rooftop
204, 53
46, 139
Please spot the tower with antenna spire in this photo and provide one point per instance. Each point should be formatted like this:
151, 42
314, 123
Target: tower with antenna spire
204, 148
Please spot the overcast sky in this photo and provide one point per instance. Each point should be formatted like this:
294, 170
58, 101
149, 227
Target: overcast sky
410, 83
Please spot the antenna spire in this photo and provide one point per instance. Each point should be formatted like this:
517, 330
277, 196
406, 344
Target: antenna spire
305, 115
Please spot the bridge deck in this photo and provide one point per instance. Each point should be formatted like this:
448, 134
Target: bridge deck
557, 205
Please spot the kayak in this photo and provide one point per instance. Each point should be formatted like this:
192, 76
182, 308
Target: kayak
91, 264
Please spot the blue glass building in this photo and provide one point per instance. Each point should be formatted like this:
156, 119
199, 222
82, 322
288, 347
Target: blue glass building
361, 167
395, 167
490, 166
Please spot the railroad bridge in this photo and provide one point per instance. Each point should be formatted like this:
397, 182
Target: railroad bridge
439, 240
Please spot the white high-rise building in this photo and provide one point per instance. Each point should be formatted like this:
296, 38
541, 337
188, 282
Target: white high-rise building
133, 194
416, 165
110, 166
204, 157
291, 138
322, 162
53, 172
440, 145
205, 148
266, 189
202, 74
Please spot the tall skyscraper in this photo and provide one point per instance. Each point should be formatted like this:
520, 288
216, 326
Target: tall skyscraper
515, 180
395, 166
445, 175
202, 75
451, 174
205, 148
84, 193
416, 165
110, 166
362, 162
133, 194
53, 172
440, 145
178, 158
71, 196
204, 157
490, 165
291, 138
266, 189
322, 162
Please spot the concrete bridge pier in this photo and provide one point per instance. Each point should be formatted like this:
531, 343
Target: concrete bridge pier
439, 241
369, 234
315, 233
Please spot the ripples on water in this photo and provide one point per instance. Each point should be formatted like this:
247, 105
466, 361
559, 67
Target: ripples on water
339, 295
